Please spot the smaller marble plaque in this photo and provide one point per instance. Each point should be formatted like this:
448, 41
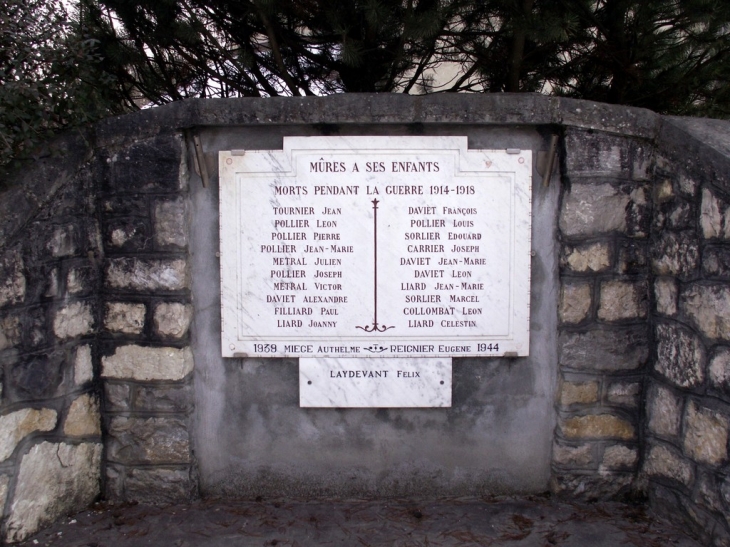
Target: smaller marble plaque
372, 382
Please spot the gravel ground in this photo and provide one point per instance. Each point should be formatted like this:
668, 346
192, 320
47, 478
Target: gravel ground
513, 522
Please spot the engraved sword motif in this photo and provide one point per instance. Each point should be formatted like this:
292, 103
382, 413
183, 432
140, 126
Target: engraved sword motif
375, 327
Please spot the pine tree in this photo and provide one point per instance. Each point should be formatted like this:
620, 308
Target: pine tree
60, 69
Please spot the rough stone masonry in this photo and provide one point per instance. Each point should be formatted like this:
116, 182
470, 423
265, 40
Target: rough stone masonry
97, 308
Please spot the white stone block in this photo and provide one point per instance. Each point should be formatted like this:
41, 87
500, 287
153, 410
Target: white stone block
74, 320
142, 363
170, 223
147, 275
14, 427
54, 479
83, 365
172, 319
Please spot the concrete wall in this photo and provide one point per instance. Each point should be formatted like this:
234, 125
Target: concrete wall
495, 439
109, 292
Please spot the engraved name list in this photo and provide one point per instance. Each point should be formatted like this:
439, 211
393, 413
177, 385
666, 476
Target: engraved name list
365, 247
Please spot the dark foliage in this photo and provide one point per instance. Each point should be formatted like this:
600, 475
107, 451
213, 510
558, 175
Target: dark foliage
111, 56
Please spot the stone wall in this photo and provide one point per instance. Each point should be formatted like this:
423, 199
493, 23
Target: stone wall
145, 313
97, 303
604, 337
50, 269
687, 401
94, 329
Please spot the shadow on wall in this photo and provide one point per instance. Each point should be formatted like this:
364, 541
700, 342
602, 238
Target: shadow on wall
96, 309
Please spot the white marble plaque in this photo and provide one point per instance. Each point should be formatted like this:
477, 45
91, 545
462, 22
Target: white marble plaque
375, 247
379, 383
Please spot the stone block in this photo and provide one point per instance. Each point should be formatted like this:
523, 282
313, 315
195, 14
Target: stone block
147, 275
114, 482
74, 284
597, 426
172, 319
619, 456
581, 485
52, 285
177, 399
705, 434
716, 261
638, 213
128, 234
578, 393
714, 216
12, 279
707, 493
624, 393
83, 418
159, 486
663, 190
680, 355
152, 165
133, 362
80, 280
642, 161
124, 317
659, 220
590, 258
36, 377
54, 479
34, 327
573, 456
676, 253
63, 241
14, 427
664, 411
592, 209
171, 223
4, 483
93, 235
665, 294
118, 397
687, 185
9, 332
604, 350
76, 319
708, 306
719, 368
663, 462
632, 257
622, 300
575, 302
597, 154
680, 216
83, 365
663, 165
159, 441
126, 206
725, 489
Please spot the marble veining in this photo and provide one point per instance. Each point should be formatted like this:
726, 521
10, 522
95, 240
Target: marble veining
375, 247
383, 383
